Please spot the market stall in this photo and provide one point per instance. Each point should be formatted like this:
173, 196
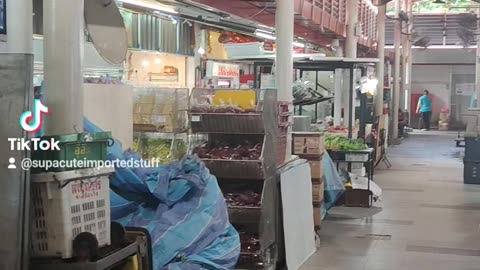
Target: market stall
320, 63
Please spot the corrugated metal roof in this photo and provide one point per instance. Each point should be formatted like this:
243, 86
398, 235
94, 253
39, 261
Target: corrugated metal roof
441, 28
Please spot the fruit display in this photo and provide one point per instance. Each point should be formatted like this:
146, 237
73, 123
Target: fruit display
219, 109
246, 199
341, 143
226, 151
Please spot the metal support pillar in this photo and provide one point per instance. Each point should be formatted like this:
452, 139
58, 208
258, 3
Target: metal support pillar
63, 61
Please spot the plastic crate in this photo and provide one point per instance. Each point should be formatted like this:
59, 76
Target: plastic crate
66, 204
356, 157
82, 146
281, 149
471, 172
283, 107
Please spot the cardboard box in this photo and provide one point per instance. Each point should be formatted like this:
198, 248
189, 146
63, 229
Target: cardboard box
443, 126
308, 143
444, 117
317, 168
317, 192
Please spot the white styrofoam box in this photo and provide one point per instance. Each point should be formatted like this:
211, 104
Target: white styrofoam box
357, 157
354, 166
360, 172
63, 207
244, 49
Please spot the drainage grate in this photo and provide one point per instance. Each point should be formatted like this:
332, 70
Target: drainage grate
442, 250
383, 237
419, 164
473, 206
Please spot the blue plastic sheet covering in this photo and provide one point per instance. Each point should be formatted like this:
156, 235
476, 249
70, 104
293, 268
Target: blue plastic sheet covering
334, 183
182, 207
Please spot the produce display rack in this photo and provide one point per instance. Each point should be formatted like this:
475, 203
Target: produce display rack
244, 176
161, 114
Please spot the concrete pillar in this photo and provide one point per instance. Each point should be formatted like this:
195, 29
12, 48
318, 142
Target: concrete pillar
16, 78
19, 26
284, 62
397, 74
63, 62
352, 21
381, 58
408, 72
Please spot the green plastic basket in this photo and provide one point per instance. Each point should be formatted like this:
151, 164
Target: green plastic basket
82, 146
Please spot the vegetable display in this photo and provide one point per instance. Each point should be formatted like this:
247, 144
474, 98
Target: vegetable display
341, 143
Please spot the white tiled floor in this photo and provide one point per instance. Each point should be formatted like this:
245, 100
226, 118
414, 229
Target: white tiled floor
432, 217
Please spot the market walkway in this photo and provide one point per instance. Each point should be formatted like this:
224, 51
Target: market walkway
429, 220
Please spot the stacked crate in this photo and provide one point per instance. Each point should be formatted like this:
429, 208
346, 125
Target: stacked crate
311, 146
284, 123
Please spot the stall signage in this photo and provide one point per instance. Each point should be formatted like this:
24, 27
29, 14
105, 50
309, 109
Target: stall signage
215, 69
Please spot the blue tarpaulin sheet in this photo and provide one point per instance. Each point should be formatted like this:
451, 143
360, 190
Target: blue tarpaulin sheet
182, 207
334, 183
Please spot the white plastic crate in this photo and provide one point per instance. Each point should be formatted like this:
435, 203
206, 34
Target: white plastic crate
244, 49
66, 204
356, 157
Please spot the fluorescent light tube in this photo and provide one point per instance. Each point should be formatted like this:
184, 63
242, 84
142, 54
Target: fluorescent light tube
150, 5
265, 35
298, 44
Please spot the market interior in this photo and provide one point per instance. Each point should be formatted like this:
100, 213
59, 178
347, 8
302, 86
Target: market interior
217, 135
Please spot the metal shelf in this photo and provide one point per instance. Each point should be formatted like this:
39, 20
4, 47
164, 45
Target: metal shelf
104, 263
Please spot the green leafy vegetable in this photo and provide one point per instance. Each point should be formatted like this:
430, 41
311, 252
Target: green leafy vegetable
341, 143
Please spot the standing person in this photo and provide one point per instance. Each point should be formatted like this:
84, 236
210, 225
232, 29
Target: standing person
425, 108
